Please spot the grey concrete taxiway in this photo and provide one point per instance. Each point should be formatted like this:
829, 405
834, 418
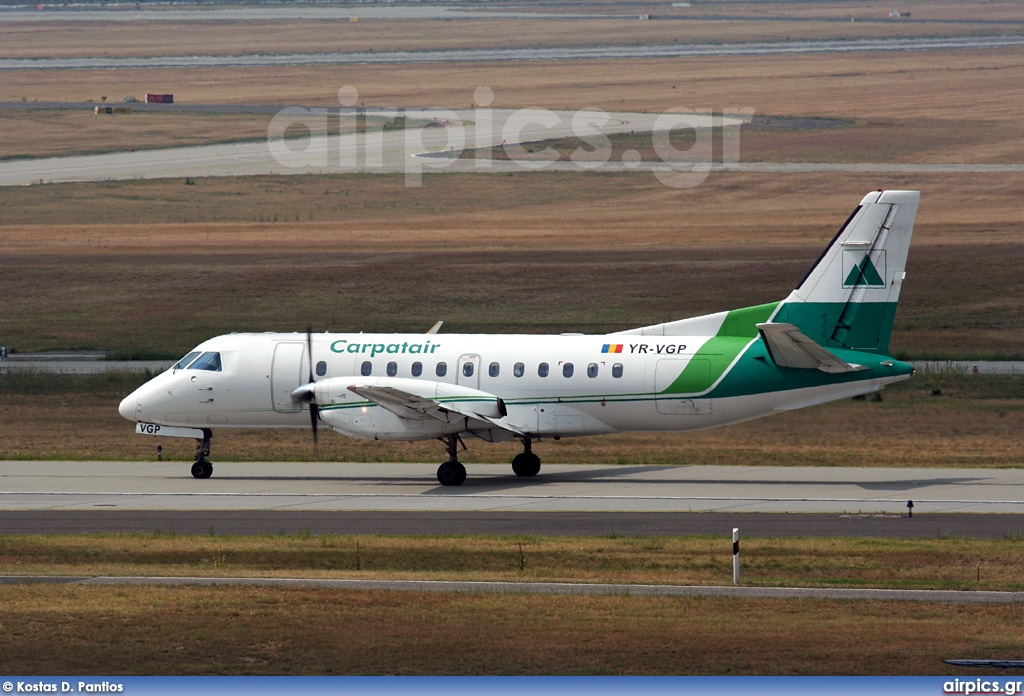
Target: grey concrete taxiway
410, 151
305, 487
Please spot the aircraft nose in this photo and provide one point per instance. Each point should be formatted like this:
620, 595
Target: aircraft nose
128, 406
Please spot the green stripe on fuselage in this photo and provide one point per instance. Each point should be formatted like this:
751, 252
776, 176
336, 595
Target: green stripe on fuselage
755, 373
737, 330
864, 342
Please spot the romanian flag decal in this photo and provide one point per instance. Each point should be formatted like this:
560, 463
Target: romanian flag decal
611, 348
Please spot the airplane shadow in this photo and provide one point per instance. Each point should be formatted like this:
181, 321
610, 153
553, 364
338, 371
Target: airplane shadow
511, 483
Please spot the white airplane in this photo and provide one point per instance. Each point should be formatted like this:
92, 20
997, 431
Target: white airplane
828, 340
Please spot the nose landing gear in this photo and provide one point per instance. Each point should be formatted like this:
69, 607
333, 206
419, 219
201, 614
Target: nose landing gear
203, 468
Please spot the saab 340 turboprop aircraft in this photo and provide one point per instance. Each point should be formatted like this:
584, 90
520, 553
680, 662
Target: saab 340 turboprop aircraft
828, 340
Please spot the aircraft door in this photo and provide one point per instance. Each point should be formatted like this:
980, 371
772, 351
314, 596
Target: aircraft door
469, 371
287, 373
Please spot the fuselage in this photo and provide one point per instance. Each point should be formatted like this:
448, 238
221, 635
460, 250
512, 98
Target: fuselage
549, 386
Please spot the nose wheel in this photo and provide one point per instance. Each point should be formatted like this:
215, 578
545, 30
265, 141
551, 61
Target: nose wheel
203, 468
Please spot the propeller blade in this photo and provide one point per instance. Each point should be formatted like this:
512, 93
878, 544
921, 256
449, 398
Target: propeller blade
309, 350
314, 410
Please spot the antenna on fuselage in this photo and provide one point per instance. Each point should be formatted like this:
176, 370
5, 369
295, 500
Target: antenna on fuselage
436, 327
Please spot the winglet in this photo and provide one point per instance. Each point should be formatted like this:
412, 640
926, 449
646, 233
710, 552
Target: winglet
436, 327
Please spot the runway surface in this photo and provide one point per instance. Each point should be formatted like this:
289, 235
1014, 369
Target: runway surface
316, 486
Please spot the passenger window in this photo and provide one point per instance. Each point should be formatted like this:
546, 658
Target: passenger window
617, 370
592, 370
184, 362
442, 369
519, 369
321, 368
567, 370
392, 369
417, 369
467, 369
366, 369
493, 369
542, 369
207, 361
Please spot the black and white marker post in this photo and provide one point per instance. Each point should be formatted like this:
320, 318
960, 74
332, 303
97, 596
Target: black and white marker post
736, 556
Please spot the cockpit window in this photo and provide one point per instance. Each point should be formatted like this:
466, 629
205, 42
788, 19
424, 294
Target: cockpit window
183, 363
207, 361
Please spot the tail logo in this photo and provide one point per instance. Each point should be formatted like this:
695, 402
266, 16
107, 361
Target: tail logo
861, 271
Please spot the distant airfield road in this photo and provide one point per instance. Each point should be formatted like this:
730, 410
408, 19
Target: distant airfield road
546, 588
633, 52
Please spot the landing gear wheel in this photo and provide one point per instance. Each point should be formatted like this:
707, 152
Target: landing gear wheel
526, 464
451, 474
202, 470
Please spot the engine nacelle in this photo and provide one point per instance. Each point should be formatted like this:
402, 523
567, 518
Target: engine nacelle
395, 408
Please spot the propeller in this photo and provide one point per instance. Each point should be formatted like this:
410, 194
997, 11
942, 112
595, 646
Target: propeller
314, 410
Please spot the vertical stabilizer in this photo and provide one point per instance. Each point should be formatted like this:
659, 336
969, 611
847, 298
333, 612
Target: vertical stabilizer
848, 298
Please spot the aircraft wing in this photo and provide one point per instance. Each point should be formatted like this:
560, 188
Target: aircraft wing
462, 402
788, 347
399, 402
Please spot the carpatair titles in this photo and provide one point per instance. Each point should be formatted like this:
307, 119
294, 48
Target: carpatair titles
375, 349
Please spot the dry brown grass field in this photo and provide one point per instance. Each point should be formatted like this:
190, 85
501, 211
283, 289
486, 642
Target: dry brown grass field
945, 563
294, 631
286, 631
163, 38
278, 253
64, 132
957, 85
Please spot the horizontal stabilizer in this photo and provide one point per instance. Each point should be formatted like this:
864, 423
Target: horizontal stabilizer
788, 347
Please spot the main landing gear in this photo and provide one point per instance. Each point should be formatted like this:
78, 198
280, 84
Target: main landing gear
526, 463
453, 473
203, 468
